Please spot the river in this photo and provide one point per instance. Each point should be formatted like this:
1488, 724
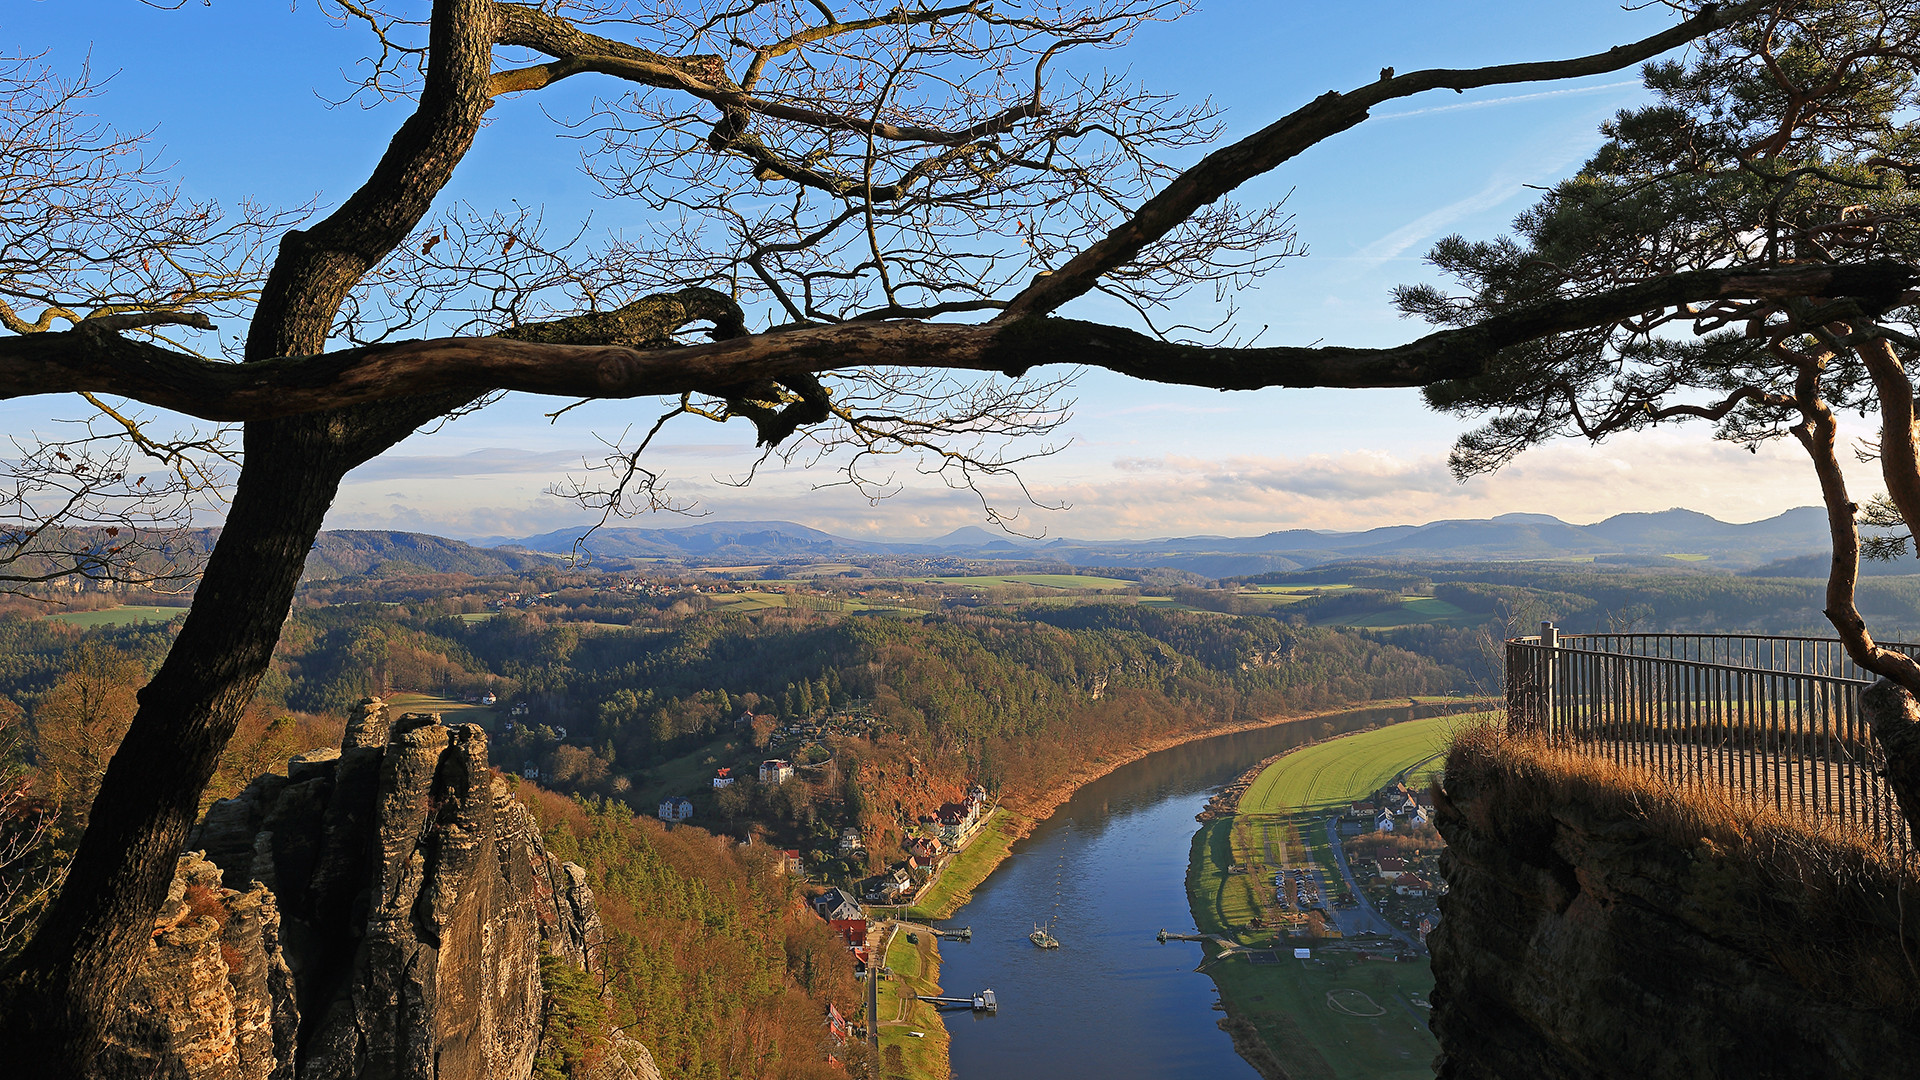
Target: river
1111, 1002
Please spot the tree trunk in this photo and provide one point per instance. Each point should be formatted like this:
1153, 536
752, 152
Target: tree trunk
1893, 714
58, 996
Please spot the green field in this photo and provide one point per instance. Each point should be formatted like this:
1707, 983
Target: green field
916, 971
452, 712
1413, 611
1044, 581
118, 616
1340, 1016
1304, 1010
1353, 766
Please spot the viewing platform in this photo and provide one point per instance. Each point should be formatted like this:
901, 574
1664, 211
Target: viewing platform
1773, 720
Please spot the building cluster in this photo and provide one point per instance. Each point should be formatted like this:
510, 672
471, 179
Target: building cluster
955, 822
1392, 807
847, 723
1404, 887
848, 920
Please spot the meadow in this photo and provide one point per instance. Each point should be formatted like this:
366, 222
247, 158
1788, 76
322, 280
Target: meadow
1339, 771
1343, 1013
913, 1039
451, 711
118, 616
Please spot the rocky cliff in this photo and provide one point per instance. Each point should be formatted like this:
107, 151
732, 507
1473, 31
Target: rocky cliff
378, 912
1601, 924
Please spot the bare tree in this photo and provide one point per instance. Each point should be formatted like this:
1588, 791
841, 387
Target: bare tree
880, 179
95, 237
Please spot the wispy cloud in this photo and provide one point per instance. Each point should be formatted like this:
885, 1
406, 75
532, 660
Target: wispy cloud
1542, 163
1511, 99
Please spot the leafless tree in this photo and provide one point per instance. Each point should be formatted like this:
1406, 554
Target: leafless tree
885, 192
96, 238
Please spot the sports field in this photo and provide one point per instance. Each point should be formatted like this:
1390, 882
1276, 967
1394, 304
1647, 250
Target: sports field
1353, 766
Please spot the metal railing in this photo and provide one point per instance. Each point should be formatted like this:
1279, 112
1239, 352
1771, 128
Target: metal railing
1772, 719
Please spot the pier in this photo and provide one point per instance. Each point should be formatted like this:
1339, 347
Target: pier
984, 1001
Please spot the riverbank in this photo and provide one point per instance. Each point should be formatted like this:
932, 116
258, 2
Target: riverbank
913, 1040
1350, 1010
1020, 814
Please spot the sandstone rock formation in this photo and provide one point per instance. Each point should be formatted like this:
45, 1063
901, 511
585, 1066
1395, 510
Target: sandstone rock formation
1596, 926
384, 914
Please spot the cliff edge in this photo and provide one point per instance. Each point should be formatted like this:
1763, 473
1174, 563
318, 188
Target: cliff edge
379, 911
1601, 923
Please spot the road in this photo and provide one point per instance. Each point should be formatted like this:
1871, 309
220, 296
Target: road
876, 961
1363, 919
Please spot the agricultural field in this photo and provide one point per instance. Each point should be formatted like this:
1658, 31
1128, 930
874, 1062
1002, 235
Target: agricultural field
1351, 767
1413, 611
125, 615
451, 711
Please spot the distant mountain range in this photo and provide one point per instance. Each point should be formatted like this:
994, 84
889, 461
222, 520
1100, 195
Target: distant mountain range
1641, 538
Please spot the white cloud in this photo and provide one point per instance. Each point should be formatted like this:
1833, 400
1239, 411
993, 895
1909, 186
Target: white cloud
1173, 494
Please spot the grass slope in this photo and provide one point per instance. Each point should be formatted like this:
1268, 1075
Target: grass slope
915, 971
1352, 767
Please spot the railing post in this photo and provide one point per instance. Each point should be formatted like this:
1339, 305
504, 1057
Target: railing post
1549, 657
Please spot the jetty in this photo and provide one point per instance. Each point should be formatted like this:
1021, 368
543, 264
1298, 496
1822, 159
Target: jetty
984, 1001
964, 933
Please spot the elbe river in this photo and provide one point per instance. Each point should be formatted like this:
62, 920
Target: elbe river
1111, 1002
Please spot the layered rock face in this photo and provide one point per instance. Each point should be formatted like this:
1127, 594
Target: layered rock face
385, 911
1594, 929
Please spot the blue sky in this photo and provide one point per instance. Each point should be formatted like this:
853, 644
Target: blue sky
237, 91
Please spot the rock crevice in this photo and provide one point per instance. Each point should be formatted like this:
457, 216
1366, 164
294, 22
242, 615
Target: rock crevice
379, 911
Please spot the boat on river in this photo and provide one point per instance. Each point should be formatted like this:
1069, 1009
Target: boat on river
1043, 937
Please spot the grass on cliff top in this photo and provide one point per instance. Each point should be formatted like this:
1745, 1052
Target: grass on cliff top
1351, 767
969, 868
916, 970
1304, 1013
1752, 861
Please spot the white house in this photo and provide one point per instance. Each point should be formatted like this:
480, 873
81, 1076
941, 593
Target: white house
676, 809
1384, 823
775, 771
